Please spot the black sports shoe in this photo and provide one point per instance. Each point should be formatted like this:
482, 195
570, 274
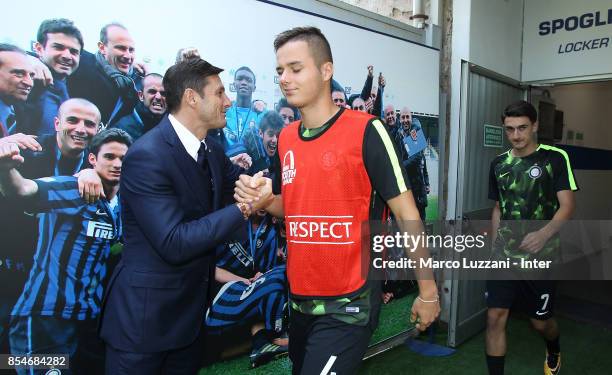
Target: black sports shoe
265, 353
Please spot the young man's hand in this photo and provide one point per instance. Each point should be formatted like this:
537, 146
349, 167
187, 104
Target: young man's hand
534, 242
41, 71
242, 160
9, 155
90, 185
424, 312
255, 190
24, 141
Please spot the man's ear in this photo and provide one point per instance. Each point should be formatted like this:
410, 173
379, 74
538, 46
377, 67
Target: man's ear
39, 49
535, 127
102, 48
141, 95
56, 122
189, 97
92, 159
327, 70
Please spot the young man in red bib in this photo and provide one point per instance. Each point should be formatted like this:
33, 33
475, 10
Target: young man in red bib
336, 169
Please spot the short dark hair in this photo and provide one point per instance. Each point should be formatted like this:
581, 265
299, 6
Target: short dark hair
187, 74
104, 31
108, 136
318, 44
5, 47
245, 68
352, 98
271, 120
520, 108
55, 26
283, 103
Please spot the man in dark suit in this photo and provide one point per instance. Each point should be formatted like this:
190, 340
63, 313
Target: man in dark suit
173, 185
112, 71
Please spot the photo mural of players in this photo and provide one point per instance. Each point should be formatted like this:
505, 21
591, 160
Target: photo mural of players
66, 78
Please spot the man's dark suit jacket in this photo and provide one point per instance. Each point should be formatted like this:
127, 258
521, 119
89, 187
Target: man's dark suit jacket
90, 82
158, 294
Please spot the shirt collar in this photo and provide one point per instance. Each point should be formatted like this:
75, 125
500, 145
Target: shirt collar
189, 141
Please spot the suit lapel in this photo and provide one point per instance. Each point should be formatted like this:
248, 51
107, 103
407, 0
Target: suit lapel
188, 167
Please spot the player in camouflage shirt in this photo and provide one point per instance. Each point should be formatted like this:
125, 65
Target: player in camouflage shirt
533, 187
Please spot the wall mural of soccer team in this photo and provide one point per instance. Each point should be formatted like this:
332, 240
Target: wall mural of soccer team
72, 114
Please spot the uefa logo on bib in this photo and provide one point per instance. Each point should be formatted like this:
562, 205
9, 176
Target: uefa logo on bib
288, 168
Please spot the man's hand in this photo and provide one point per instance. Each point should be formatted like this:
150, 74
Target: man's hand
90, 185
41, 71
256, 191
369, 104
141, 67
242, 160
9, 155
23, 141
188, 53
370, 70
381, 81
259, 106
425, 311
246, 190
534, 241
257, 276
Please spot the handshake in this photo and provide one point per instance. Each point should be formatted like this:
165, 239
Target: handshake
254, 193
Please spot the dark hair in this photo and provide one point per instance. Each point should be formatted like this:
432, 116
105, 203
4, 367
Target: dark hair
5, 47
318, 44
104, 31
55, 26
519, 109
337, 87
352, 98
245, 68
271, 120
108, 136
187, 74
283, 103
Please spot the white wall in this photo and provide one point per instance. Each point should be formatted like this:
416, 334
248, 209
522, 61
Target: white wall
487, 33
553, 56
460, 52
587, 109
496, 32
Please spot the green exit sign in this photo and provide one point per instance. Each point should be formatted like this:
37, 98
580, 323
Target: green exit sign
493, 136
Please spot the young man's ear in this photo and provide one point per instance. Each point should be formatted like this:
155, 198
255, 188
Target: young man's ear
141, 95
91, 158
39, 49
327, 70
535, 127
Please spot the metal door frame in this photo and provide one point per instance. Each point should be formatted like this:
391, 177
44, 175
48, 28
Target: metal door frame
452, 284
